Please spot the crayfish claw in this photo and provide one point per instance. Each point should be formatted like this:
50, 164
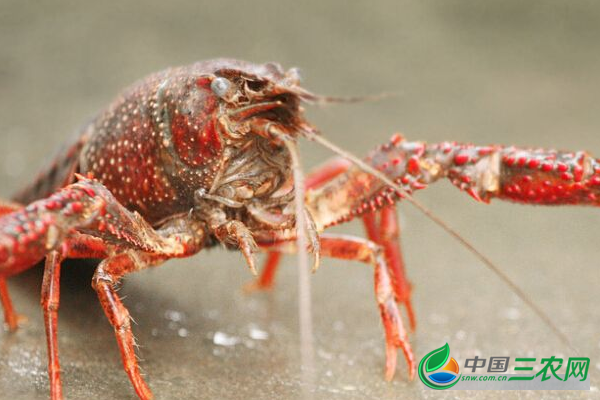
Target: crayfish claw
391, 359
249, 256
238, 233
313, 240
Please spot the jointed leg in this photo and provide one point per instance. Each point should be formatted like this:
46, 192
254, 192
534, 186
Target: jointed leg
88, 207
110, 271
237, 232
27, 234
85, 220
358, 249
10, 316
80, 246
387, 235
107, 276
322, 174
371, 227
381, 227
50, 302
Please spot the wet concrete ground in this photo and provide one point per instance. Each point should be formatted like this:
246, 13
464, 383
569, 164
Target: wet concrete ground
523, 73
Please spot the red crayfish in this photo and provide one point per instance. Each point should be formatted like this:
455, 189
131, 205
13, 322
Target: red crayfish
196, 156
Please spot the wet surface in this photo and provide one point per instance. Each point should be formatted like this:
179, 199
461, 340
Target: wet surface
509, 72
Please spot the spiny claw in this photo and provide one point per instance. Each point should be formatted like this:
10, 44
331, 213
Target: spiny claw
313, 241
237, 232
246, 244
249, 256
248, 247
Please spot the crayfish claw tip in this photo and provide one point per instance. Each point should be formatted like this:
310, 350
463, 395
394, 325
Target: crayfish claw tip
316, 263
253, 270
251, 264
411, 374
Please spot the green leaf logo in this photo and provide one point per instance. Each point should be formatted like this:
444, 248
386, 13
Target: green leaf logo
437, 358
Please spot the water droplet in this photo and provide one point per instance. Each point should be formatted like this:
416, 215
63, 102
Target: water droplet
182, 332
174, 316
258, 334
223, 339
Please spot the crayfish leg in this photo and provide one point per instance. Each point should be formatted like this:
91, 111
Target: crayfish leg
84, 220
319, 176
108, 274
50, 301
352, 248
390, 241
79, 246
10, 316
385, 231
237, 232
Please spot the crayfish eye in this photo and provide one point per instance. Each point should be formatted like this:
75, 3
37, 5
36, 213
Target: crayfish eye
220, 86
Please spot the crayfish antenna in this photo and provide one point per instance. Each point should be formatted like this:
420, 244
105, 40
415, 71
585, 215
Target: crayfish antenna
321, 100
312, 134
304, 289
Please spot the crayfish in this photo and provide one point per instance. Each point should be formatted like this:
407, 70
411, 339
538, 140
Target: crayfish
202, 155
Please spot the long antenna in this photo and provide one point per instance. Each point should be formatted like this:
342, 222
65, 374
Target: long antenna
311, 135
304, 289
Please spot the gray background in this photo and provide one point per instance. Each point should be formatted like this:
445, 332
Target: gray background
511, 72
